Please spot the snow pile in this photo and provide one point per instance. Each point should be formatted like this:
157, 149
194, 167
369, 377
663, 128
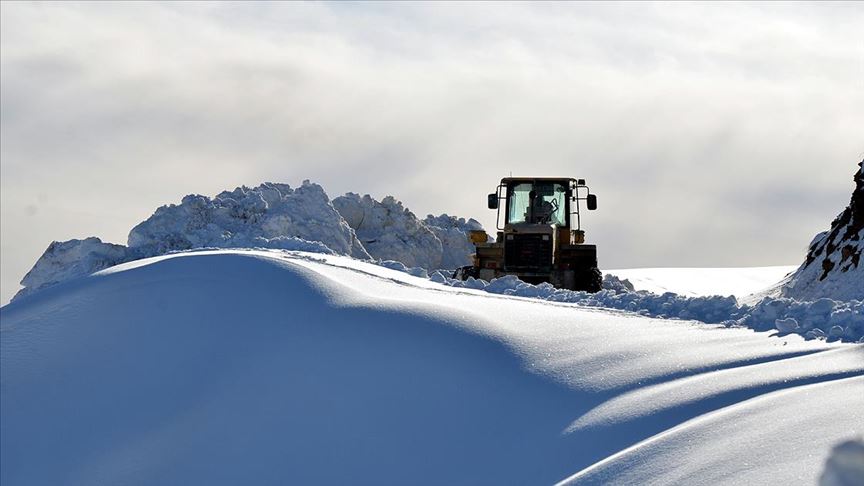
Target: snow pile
833, 266
389, 231
452, 231
823, 318
72, 259
267, 216
845, 465
273, 216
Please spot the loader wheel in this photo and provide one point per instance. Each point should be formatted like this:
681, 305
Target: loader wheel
590, 280
462, 273
595, 280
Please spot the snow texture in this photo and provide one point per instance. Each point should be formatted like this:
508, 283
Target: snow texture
214, 367
833, 266
845, 465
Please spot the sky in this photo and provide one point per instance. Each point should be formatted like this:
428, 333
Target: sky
714, 134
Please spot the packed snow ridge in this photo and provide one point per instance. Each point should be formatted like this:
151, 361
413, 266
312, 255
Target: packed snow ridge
272, 216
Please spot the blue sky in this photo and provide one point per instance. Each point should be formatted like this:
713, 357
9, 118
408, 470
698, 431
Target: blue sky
714, 134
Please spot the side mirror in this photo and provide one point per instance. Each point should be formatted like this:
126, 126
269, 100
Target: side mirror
492, 201
592, 202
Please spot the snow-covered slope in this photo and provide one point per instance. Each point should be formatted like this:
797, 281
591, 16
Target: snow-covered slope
228, 367
833, 266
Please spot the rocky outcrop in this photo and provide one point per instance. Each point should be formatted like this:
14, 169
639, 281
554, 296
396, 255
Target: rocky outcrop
833, 267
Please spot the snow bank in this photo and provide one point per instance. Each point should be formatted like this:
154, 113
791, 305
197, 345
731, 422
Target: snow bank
833, 267
272, 216
845, 465
823, 318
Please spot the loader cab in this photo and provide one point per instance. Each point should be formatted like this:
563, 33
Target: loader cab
541, 201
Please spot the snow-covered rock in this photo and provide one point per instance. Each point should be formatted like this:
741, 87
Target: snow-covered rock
262, 216
845, 465
389, 231
71, 259
833, 267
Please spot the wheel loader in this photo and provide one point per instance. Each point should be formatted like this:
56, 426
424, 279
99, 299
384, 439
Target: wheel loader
541, 239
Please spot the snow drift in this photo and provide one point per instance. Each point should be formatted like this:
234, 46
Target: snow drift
274, 367
273, 216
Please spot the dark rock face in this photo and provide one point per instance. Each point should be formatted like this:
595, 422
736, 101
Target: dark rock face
833, 267
844, 235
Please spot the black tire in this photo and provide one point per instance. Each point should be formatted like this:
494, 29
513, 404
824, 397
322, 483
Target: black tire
595, 280
590, 280
462, 273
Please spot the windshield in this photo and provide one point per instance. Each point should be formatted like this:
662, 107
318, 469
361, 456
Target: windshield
537, 203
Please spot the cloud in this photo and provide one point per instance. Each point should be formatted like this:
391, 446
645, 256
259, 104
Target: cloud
681, 116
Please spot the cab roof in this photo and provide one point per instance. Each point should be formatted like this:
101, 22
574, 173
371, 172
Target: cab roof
506, 180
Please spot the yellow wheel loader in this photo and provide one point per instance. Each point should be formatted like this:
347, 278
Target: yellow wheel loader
538, 241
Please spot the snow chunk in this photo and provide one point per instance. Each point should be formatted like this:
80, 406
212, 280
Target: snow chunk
788, 324
845, 465
71, 259
613, 282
